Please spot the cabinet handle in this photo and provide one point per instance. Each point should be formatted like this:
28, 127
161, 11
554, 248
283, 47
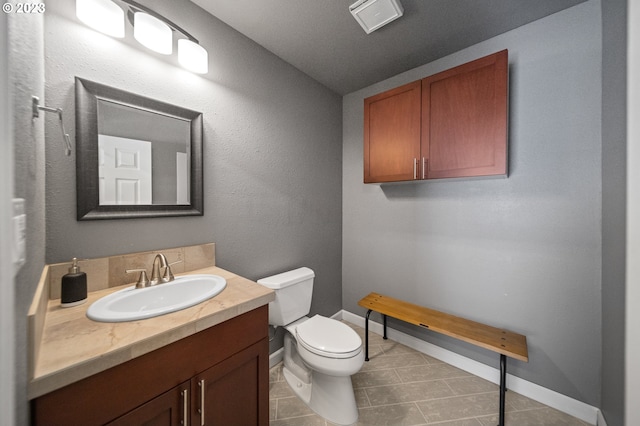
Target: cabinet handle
201, 409
424, 167
415, 168
185, 406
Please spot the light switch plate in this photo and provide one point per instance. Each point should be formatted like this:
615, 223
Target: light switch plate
19, 252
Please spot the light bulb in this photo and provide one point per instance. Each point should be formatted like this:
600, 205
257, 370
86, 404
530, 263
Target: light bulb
192, 56
101, 15
152, 33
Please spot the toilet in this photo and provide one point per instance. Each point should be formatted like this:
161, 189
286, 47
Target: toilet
320, 353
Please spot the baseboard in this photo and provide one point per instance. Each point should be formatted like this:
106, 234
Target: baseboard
601, 420
573, 407
276, 357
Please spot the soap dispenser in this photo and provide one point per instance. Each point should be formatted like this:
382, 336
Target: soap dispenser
74, 286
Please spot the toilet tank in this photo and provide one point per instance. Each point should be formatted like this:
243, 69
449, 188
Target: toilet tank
293, 295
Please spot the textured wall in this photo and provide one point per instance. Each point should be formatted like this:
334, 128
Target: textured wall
523, 252
272, 150
27, 79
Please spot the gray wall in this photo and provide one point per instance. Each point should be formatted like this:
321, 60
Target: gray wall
272, 150
614, 136
522, 253
26, 60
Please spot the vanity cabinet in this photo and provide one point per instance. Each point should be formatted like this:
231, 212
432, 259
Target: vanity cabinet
218, 376
451, 124
229, 393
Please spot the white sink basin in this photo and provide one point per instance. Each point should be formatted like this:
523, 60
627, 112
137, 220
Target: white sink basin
132, 304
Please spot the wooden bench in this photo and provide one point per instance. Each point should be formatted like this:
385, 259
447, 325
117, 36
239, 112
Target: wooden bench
504, 342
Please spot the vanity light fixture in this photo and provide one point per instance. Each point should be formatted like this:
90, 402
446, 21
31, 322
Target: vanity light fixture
150, 29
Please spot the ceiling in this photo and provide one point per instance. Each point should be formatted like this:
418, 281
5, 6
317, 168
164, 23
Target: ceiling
322, 39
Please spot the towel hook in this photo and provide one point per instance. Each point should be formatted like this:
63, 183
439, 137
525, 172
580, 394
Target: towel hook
35, 111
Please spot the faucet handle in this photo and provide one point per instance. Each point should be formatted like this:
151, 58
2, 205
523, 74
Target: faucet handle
168, 274
143, 281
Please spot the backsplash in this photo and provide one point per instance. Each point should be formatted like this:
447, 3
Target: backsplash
109, 271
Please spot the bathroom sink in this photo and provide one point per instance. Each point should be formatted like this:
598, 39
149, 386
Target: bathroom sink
132, 304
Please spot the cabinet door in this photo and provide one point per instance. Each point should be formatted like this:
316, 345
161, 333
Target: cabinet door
234, 392
464, 119
392, 134
169, 409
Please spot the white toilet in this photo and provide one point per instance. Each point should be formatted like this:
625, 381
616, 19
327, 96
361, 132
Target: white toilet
320, 354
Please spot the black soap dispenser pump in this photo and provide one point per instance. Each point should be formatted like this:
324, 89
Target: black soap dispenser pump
74, 286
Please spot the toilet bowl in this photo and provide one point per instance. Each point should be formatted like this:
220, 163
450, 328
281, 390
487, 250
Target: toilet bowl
320, 353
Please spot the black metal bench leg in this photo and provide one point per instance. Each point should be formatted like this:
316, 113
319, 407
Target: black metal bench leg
384, 328
366, 336
503, 387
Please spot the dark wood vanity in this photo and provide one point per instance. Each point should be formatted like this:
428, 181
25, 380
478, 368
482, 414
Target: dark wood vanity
217, 376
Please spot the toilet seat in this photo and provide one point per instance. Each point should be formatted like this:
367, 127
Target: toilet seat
328, 337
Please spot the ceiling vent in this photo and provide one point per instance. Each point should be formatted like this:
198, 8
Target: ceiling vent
373, 14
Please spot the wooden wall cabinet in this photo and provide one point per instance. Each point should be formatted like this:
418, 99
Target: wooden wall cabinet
219, 376
451, 124
392, 134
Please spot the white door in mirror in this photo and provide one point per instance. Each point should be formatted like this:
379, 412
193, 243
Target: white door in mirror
124, 171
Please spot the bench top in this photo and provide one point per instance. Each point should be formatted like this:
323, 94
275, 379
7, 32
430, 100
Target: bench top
504, 342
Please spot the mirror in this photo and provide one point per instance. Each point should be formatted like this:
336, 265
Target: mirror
136, 157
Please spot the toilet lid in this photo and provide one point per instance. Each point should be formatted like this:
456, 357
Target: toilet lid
328, 337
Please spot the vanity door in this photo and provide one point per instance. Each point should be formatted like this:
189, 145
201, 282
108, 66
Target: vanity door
169, 409
234, 391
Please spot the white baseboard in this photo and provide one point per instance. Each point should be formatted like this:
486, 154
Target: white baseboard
276, 357
601, 420
573, 407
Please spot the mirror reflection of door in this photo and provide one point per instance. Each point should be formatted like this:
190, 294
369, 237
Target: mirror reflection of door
169, 136
124, 171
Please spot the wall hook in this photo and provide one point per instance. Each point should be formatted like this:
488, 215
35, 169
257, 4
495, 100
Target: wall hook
35, 111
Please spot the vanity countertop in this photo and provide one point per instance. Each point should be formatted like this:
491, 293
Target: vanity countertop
73, 347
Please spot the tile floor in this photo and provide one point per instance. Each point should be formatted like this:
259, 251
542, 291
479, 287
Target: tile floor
400, 386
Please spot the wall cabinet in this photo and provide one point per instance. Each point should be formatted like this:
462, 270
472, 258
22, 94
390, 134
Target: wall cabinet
451, 124
219, 376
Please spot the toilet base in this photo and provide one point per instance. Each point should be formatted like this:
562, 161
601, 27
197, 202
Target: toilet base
330, 397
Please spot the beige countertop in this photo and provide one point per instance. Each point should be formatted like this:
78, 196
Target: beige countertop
72, 347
